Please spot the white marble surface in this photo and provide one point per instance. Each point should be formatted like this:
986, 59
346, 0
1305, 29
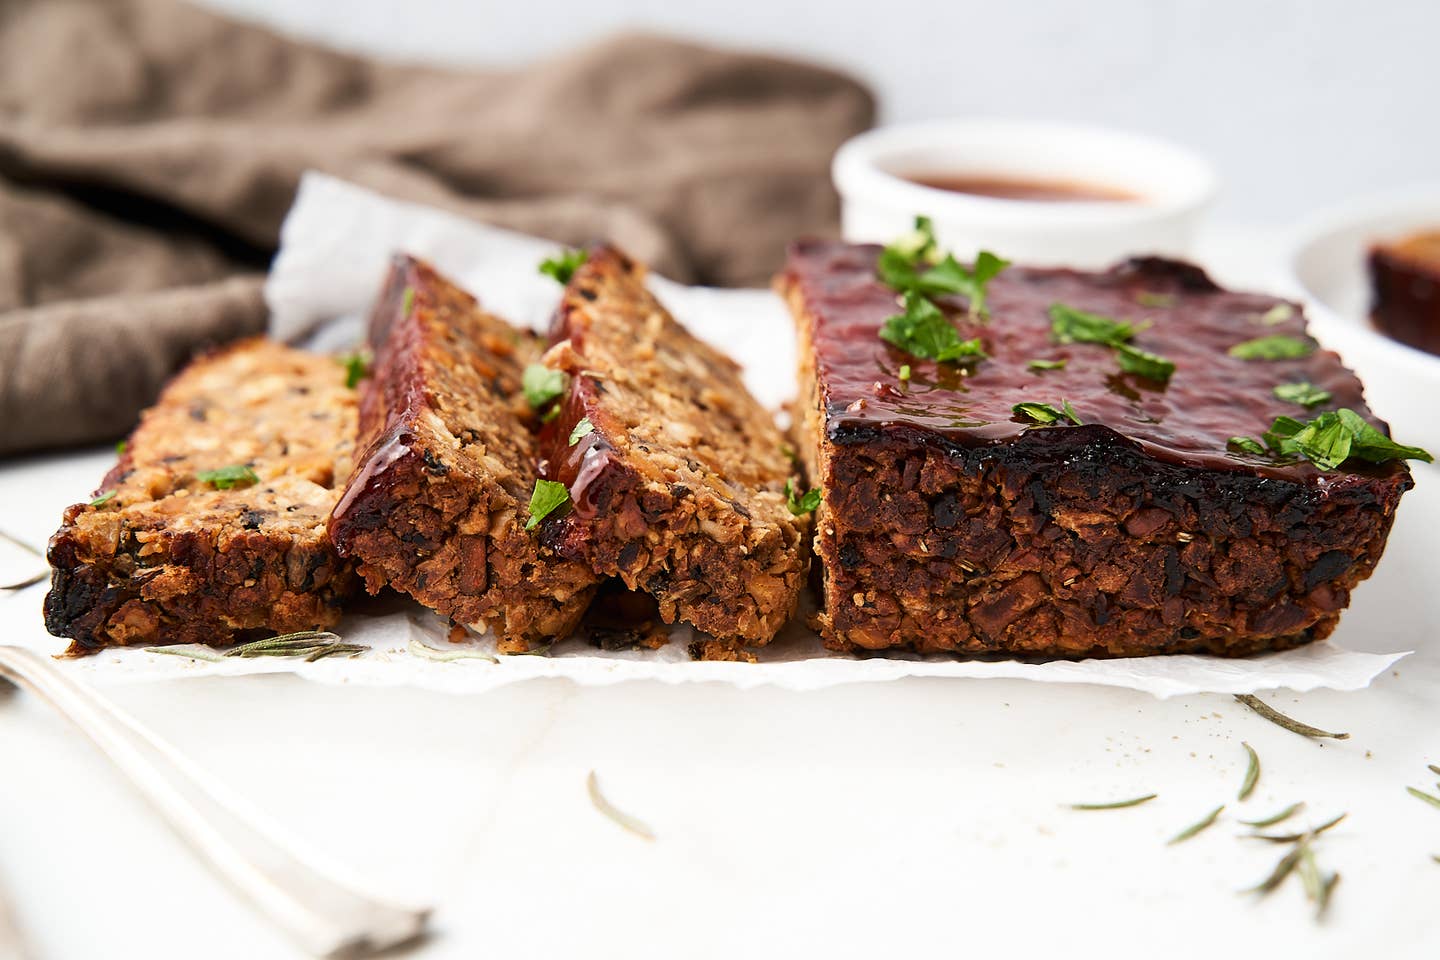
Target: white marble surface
915, 818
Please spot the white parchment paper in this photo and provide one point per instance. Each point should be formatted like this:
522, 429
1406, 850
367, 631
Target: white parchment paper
334, 249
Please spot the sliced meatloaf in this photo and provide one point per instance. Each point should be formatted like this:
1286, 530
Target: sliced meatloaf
676, 476
211, 528
437, 504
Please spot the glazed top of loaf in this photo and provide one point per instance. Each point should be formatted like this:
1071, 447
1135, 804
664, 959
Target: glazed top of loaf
1178, 313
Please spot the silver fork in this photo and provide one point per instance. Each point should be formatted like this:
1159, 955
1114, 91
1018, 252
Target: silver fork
323, 915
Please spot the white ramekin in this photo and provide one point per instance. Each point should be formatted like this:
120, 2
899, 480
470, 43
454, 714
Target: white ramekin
878, 204
1327, 270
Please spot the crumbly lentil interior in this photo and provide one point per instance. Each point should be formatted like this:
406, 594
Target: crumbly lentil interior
168, 557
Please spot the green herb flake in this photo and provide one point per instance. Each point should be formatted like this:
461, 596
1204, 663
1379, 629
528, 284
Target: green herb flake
1246, 445
1069, 325
904, 373
803, 504
1147, 298
121, 447
1252, 772
1274, 347
1277, 315
541, 385
1038, 365
1144, 363
923, 331
582, 429
1334, 437
913, 264
1429, 798
357, 367
1305, 394
547, 497
103, 499
1197, 827
1115, 805
407, 301
226, 478
1044, 413
563, 267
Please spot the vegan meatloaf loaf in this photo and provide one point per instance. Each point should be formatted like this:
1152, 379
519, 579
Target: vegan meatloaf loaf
437, 505
951, 521
211, 527
676, 476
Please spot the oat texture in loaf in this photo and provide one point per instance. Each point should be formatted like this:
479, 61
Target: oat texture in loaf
676, 474
437, 505
165, 555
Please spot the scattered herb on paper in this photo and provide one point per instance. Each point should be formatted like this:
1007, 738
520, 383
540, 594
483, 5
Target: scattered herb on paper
1431, 799
427, 652
1279, 719
1299, 835
1275, 818
623, 819
1197, 827
1115, 805
1252, 772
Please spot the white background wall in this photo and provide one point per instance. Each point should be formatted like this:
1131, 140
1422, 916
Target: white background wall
1299, 102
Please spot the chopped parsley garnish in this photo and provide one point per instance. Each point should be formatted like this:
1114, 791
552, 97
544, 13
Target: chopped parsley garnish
1329, 441
1275, 347
103, 499
225, 478
1305, 394
1044, 413
904, 373
1047, 364
1069, 325
1149, 365
548, 497
1147, 298
1277, 314
121, 447
923, 331
803, 504
913, 264
407, 301
582, 429
357, 367
563, 267
541, 385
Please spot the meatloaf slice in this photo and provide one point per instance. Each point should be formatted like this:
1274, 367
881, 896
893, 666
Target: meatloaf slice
952, 522
436, 506
211, 528
676, 475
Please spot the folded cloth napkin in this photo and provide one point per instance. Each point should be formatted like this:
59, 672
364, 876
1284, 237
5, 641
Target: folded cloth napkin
149, 151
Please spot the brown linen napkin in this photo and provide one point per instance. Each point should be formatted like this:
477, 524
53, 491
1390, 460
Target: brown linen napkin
149, 151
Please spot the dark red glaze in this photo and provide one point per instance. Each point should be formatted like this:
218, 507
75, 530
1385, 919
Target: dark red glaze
1405, 290
589, 467
1210, 398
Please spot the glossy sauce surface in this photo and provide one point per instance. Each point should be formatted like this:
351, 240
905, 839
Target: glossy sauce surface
1210, 398
1016, 188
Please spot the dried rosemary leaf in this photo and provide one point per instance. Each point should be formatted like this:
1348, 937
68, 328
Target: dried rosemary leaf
1116, 805
1431, 799
1277, 876
1280, 817
427, 652
635, 826
1304, 835
190, 651
1252, 772
1279, 719
283, 643
1327, 887
337, 650
1433, 768
1195, 828
29, 581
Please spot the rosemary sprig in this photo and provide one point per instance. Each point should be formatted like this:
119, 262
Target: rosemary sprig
311, 644
191, 651
625, 820
1304, 835
1279, 719
1252, 772
1429, 798
1116, 805
1280, 817
427, 652
1195, 828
